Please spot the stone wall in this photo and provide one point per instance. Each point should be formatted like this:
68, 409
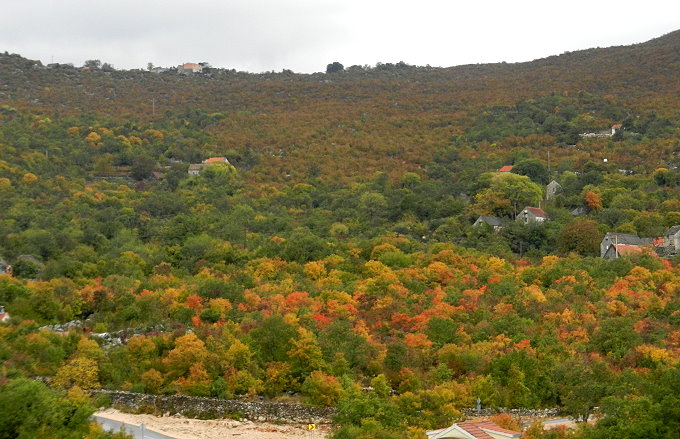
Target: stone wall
214, 408
536, 413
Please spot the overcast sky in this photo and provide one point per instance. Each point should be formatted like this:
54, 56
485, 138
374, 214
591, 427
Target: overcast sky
306, 35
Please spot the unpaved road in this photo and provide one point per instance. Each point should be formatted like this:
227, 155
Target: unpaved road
179, 427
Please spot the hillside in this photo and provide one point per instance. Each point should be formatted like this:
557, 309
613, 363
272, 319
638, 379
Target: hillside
389, 118
352, 242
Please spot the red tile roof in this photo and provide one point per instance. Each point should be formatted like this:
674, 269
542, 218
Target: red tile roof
625, 249
507, 168
617, 126
537, 212
191, 66
475, 429
215, 160
486, 425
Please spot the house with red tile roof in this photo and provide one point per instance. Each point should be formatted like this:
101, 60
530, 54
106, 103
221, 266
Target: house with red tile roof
190, 68
532, 215
619, 238
216, 160
616, 251
507, 168
473, 430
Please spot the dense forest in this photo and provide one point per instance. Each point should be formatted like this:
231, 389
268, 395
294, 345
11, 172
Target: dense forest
336, 256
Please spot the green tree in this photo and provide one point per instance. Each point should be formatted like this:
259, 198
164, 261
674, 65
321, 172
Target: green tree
581, 386
373, 205
142, 167
29, 410
534, 169
512, 191
335, 67
581, 236
615, 337
273, 339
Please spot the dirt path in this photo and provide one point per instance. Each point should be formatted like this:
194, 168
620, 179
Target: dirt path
184, 428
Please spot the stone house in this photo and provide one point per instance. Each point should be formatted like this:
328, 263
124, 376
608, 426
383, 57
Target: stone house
671, 238
613, 238
552, 189
495, 222
616, 251
532, 215
195, 169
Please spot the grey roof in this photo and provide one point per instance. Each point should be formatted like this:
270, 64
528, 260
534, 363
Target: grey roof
672, 231
490, 220
624, 238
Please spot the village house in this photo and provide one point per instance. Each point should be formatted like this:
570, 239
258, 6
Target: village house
616, 251
616, 128
613, 238
532, 215
187, 68
195, 169
671, 238
4, 315
473, 430
552, 189
507, 168
494, 222
668, 245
